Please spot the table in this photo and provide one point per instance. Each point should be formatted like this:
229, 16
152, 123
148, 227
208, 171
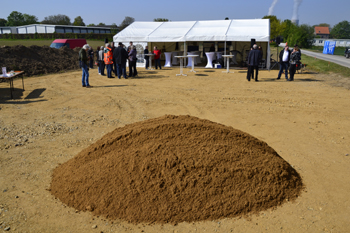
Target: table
150, 60
210, 56
167, 59
17, 73
228, 63
174, 59
181, 65
191, 58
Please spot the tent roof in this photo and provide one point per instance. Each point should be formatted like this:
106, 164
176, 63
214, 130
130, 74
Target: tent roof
212, 30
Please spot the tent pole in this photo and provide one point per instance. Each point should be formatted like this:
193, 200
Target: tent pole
185, 52
225, 54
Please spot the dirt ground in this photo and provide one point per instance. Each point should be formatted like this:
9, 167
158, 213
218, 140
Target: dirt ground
305, 121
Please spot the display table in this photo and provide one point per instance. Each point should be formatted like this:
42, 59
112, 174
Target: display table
210, 56
150, 60
167, 59
11, 77
192, 57
181, 65
189, 55
228, 63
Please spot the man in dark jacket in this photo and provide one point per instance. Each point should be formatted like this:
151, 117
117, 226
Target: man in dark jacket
254, 58
83, 63
284, 58
119, 56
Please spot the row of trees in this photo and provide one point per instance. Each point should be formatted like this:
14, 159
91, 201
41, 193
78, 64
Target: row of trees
303, 35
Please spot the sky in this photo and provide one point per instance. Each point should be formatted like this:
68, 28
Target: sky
310, 12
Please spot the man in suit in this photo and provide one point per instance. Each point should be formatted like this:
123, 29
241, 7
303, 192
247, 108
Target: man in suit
254, 58
284, 58
120, 56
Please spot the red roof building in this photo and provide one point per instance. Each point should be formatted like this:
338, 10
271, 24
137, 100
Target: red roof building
322, 32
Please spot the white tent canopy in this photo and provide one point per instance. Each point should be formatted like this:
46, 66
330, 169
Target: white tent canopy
242, 30
182, 31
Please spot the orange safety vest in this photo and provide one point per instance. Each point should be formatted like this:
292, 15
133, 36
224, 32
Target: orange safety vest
108, 57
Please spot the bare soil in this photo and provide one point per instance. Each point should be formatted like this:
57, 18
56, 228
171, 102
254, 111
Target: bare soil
306, 122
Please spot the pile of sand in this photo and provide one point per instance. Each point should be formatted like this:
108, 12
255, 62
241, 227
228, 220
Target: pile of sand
36, 60
175, 169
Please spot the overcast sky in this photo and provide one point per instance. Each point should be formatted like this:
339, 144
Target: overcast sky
310, 12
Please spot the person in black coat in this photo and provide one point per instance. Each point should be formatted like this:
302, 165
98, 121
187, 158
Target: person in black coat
284, 58
119, 57
146, 57
254, 58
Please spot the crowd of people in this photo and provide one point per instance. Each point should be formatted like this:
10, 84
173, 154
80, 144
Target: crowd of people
113, 60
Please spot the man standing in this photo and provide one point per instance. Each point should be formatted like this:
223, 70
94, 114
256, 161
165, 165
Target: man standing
91, 57
284, 61
119, 56
254, 58
108, 60
157, 53
83, 63
146, 57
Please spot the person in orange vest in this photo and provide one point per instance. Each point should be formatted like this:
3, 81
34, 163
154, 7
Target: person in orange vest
108, 58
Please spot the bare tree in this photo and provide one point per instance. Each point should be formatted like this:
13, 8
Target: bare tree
126, 22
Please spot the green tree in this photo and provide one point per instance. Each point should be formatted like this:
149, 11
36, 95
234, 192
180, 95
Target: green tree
275, 26
57, 20
30, 19
286, 28
91, 25
3, 22
301, 35
15, 19
114, 28
160, 20
126, 22
341, 30
101, 24
78, 21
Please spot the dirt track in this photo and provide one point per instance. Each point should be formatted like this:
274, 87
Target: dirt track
306, 122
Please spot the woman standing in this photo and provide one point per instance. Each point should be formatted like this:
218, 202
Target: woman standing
295, 58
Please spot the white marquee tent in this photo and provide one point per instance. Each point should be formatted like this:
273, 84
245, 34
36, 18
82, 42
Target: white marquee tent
186, 31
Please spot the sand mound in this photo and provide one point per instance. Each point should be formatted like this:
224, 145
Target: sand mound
175, 169
36, 60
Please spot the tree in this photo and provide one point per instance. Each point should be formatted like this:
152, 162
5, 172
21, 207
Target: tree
323, 25
275, 25
57, 20
78, 21
3, 22
101, 24
286, 28
341, 30
15, 19
91, 25
302, 36
126, 22
114, 28
160, 20
30, 19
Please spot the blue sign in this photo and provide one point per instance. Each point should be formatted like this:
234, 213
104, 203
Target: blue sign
329, 47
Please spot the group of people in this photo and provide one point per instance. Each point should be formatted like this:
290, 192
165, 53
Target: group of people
288, 60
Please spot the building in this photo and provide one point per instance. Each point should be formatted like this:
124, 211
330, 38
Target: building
322, 32
46, 28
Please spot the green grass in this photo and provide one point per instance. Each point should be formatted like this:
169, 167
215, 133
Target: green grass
324, 67
8, 42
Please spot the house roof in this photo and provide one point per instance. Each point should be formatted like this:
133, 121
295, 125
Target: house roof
209, 30
322, 30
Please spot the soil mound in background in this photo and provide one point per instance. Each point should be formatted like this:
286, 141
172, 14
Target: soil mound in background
175, 169
36, 60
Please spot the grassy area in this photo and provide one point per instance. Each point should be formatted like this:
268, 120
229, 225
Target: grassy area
93, 43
